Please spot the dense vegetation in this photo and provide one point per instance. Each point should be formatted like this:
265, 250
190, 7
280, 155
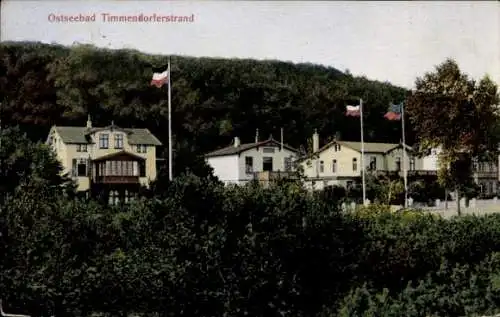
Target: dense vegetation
193, 247
213, 100
208, 250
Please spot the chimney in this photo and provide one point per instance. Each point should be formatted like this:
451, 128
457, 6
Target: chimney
236, 141
89, 122
315, 141
256, 135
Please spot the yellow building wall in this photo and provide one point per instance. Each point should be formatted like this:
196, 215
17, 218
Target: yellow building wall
391, 159
67, 152
344, 163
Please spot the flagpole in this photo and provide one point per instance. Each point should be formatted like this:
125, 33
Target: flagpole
362, 152
170, 175
405, 170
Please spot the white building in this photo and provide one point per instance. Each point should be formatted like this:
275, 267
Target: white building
485, 174
431, 162
240, 163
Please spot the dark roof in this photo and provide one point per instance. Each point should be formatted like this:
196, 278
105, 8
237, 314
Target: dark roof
75, 135
120, 153
234, 150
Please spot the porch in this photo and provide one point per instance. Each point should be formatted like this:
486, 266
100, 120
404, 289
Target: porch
115, 177
118, 168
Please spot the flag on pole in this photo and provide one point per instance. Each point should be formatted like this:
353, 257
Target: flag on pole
353, 111
394, 113
160, 76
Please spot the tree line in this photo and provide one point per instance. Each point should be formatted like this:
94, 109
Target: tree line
205, 249
213, 100
193, 247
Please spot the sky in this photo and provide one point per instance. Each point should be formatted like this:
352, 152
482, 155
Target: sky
386, 41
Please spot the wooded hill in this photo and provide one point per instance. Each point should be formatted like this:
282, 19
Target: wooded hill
213, 99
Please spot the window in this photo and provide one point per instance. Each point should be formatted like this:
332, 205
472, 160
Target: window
248, 164
104, 141
334, 166
373, 163
81, 147
268, 150
118, 141
398, 164
321, 166
141, 148
82, 168
142, 169
79, 167
135, 169
474, 165
354, 164
267, 163
114, 168
349, 185
114, 197
288, 164
412, 164
336, 147
130, 168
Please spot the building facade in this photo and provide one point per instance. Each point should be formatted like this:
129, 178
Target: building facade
484, 174
110, 163
263, 161
339, 162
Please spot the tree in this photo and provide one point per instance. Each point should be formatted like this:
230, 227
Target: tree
24, 163
48, 84
452, 112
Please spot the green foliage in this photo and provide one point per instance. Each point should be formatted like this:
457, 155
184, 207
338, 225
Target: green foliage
43, 85
453, 112
196, 248
203, 249
426, 191
27, 164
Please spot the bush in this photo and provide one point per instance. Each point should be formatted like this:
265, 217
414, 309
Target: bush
208, 250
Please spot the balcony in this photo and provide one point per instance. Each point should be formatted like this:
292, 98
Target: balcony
413, 173
116, 179
267, 176
488, 174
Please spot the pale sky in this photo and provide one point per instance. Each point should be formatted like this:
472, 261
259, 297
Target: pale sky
386, 41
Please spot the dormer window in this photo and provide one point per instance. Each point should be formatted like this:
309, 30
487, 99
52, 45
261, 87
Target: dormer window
118, 141
141, 148
104, 141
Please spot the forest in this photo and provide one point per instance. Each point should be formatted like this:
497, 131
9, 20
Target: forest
213, 100
194, 247
199, 248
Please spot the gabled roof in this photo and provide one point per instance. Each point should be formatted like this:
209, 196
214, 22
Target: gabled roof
235, 150
76, 135
119, 153
369, 147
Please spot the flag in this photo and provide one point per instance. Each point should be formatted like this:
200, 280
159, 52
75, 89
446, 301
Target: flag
160, 76
394, 113
353, 111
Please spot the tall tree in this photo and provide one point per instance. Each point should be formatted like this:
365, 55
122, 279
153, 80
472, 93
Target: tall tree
450, 111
